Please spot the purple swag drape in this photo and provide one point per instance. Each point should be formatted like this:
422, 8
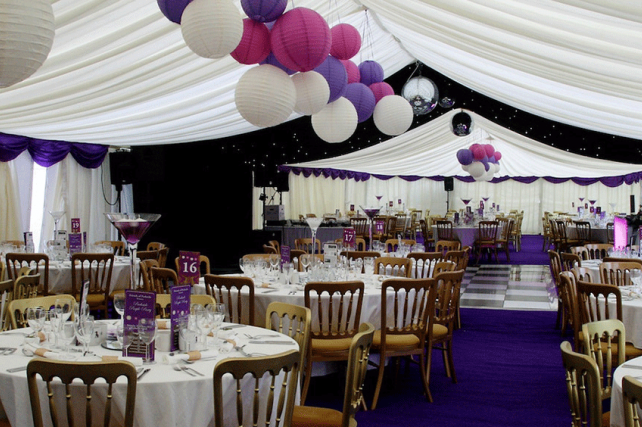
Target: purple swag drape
47, 153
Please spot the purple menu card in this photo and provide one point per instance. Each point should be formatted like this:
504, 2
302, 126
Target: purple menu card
285, 254
179, 311
189, 268
139, 305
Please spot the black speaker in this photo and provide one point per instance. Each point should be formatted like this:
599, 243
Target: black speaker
633, 210
264, 178
449, 183
121, 167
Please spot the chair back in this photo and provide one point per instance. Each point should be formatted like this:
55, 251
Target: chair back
391, 266
583, 386
445, 230
162, 256
145, 275
487, 233
81, 398
609, 233
448, 293
269, 249
227, 290
162, 279
305, 244
291, 320
460, 258
155, 246
592, 300
585, 274
568, 298
555, 263
598, 250
356, 373
6, 290
618, 272
335, 308
423, 263
580, 251
96, 269
26, 286
18, 307
38, 264
442, 266
583, 231
266, 399
164, 303
360, 226
602, 340
276, 245
569, 260
117, 246
632, 398
393, 244
444, 246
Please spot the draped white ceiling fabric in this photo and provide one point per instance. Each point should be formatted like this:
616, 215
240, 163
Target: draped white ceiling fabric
119, 72
430, 151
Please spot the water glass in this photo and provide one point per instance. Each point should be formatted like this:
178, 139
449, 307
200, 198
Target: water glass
147, 334
36, 318
119, 303
84, 329
67, 336
125, 336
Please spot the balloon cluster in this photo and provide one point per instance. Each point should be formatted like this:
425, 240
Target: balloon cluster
481, 161
303, 65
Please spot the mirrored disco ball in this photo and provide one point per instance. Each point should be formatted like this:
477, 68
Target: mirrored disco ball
462, 124
422, 94
446, 102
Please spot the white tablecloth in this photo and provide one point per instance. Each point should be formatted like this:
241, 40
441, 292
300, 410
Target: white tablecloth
60, 276
466, 235
164, 397
598, 234
617, 410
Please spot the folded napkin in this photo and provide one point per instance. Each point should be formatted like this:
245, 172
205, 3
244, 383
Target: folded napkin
233, 341
163, 324
172, 358
42, 352
136, 361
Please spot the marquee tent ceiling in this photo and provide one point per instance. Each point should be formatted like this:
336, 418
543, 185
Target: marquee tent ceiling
120, 73
429, 151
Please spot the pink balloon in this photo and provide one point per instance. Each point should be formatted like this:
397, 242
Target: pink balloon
301, 39
255, 43
346, 41
381, 89
478, 152
489, 150
498, 156
353, 71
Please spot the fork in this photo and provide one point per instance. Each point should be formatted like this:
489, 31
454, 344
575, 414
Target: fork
182, 369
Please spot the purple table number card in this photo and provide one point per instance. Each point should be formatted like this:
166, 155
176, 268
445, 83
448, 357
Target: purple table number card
285, 254
138, 305
189, 268
620, 233
380, 227
179, 311
349, 237
75, 225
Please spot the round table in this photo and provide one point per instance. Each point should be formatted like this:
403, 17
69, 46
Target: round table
631, 367
164, 397
60, 276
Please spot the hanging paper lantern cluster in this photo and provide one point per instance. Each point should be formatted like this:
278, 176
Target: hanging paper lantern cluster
481, 161
27, 32
324, 84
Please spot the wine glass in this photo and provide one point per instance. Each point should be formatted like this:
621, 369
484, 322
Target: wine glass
612, 204
125, 336
274, 262
636, 277
314, 224
36, 319
305, 262
84, 329
63, 309
147, 334
220, 308
287, 272
67, 336
133, 227
204, 325
119, 303
371, 213
369, 266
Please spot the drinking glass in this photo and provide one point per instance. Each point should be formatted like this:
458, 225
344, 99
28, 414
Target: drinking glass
369, 265
305, 262
36, 319
55, 321
63, 309
274, 261
147, 334
636, 277
287, 272
119, 303
220, 308
204, 325
242, 266
67, 336
84, 328
125, 337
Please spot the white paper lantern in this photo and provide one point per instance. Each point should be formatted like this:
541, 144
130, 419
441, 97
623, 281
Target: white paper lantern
26, 35
476, 170
393, 115
212, 28
312, 92
265, 95
336, 122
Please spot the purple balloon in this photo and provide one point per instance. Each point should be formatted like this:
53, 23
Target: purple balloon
485, 163
336, 75
264, 10
465, 156
173, 9
271, 59
371, 72
492, 159
363, 100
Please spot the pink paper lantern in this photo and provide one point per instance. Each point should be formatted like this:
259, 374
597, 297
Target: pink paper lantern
478, 152
498, 156
353, 71
346, 41
301, 39
363, 100
381, 89
255, 43
264, 10
371, 72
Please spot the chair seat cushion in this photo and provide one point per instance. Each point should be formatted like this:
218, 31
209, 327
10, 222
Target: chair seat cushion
395, 341
95, 299
439, 331
320, 346
310, 416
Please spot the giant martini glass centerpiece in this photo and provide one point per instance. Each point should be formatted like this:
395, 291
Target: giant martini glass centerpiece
371, 213
133, 227
57, 216
314, 224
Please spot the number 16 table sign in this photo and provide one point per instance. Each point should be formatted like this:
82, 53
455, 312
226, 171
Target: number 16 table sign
188, 268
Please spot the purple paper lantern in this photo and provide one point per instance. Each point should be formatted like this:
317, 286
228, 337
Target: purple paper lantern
346, 41
371, 72
353, 71
301, 39
336, 75
381, 89
363, 100
271, 59
264, 10
173, 9
255, 43
465, 156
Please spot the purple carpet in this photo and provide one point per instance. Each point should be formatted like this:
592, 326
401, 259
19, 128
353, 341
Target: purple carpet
530, 253
509, 371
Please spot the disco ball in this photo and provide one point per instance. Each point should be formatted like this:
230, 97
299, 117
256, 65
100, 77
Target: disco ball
462, 124
446, 102
422, 94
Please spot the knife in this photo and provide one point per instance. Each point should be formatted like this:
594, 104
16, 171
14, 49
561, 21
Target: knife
142, 374
271, 342
18, 369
